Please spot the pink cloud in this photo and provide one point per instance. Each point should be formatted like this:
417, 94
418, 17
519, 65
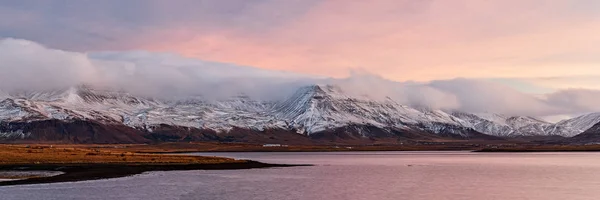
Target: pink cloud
397, 39
408, 40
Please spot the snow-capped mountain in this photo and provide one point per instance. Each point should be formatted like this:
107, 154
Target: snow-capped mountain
516, 126
309, 110
73, 103
506, 126
574, 126
321, 107
589, 136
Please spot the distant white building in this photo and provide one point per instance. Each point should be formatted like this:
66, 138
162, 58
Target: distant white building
274, 145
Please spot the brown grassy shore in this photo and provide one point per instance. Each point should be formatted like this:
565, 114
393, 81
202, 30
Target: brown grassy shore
89, 162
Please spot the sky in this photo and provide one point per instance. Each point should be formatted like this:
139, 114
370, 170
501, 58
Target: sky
541, 49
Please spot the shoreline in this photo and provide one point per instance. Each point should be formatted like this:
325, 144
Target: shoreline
96, 171
533, 150
179, 148
92, 162
166, 149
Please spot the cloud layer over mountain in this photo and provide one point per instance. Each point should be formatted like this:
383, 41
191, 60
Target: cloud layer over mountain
27, 65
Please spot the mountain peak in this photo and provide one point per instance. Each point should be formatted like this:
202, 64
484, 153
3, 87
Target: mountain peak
324, 90
328, 88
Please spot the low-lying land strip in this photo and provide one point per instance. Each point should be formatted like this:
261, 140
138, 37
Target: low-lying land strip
179, 147
88, 162
544, 148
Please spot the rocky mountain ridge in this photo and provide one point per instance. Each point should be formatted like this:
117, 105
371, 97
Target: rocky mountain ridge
310, 110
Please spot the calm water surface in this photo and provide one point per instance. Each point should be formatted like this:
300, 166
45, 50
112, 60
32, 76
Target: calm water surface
358, 175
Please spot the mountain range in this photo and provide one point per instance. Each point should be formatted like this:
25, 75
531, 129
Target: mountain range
314, 113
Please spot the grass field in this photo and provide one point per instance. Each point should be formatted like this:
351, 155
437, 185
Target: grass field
22, 163
90, 154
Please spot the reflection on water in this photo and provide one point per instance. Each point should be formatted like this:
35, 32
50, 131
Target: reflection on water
12, 175
363, 175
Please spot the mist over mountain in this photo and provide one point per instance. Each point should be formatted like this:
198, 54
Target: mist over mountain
28, 66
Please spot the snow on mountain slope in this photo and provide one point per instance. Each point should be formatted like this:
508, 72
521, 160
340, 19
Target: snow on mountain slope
505, 126
18, 109
237, 111
73, 103
529, 126
574, 126
321, 107
589, 136
311, 109
492, 125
